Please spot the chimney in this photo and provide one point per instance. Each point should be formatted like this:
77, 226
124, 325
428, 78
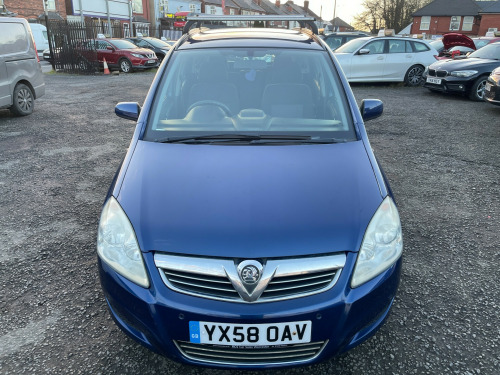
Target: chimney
278, 3
306, 6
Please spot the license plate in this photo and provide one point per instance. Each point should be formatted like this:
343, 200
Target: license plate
151, 61
436, 81
250, 334
488, 86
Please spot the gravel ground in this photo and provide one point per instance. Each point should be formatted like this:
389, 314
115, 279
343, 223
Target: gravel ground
439, 152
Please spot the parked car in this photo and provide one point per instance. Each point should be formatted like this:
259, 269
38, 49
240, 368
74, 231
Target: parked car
123, 54
21, 77
492, 87
40, 36
465, 76
335, 40
250, 225
453, 45
485, 40
159, 47
385, 59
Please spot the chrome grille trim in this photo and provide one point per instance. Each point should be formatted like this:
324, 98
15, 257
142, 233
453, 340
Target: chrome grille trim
217, 278
289, 354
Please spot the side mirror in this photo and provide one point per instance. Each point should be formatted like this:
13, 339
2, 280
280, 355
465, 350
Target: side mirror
371, 109
128, 110
363, 51
110, 48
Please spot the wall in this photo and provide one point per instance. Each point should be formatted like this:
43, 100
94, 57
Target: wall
487, 21
33, 8
441, 25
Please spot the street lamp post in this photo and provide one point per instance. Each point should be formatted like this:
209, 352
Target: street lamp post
334, 16
46, 2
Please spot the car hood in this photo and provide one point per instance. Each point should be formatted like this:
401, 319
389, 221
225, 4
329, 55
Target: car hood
249, 201
462, 64
456, 39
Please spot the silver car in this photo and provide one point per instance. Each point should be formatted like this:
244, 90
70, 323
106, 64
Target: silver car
21, 77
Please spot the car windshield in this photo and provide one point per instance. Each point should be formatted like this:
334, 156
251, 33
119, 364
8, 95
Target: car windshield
479, 43
437, 44
351, 46
491, 51
158, 43
250, 90
123, 44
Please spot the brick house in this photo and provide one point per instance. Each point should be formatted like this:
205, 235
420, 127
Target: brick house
463, 16
34, 10
339, 24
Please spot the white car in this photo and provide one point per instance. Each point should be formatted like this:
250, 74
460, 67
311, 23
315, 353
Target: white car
385, 59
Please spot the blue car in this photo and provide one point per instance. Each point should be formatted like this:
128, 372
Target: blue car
249, 225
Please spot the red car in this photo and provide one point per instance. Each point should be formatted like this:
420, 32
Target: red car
124, 55
454, 44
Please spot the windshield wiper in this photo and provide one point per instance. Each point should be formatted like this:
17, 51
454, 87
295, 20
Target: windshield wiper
247, 138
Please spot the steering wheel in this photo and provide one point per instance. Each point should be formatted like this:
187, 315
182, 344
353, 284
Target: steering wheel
222, 106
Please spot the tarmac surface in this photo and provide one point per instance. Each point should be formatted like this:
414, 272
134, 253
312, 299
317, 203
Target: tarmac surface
440, 153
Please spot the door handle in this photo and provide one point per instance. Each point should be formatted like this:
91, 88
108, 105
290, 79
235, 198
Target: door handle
380, 58
408, 56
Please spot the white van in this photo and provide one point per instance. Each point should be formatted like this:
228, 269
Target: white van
40, 35
21, 77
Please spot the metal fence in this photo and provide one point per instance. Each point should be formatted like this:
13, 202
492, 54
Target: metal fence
73, 43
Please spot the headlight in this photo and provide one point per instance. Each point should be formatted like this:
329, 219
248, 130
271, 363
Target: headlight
496, 71
463, 73
137, 55
117, 245
382, 244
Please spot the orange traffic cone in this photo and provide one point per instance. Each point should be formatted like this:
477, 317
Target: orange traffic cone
106, 70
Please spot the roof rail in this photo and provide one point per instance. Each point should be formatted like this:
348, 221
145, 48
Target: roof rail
198, 19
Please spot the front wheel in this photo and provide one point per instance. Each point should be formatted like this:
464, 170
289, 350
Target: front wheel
414, 76
23, 100
125, 66
477, 89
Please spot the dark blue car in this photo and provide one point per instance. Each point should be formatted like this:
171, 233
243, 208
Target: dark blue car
249, 225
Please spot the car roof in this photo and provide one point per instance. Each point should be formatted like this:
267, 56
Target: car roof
251, 37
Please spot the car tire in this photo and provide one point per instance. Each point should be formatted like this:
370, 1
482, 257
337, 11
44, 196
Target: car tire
414, 76
125, 66
160, 58
477, 90
23, 100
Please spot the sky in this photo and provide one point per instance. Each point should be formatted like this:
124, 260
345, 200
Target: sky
346, 9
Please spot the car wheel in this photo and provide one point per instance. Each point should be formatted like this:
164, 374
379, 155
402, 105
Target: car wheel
23, 100
125, 66
160, 58
477, 89
413, 76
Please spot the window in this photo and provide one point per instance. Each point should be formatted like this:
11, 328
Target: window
425, 22
375, 47
137, 6
14, 38
455, 22
231, 11
468, 22
420, 47
334, 42
126, 30
212, 9
397, 46
192, 8
51, 4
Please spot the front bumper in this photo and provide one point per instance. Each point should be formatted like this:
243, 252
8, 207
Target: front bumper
144, 64
159, 318
451, 84
492, 90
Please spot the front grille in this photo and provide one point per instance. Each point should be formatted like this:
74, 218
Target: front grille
297, 284
438, 73
218, 278
289, 354
201, 284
